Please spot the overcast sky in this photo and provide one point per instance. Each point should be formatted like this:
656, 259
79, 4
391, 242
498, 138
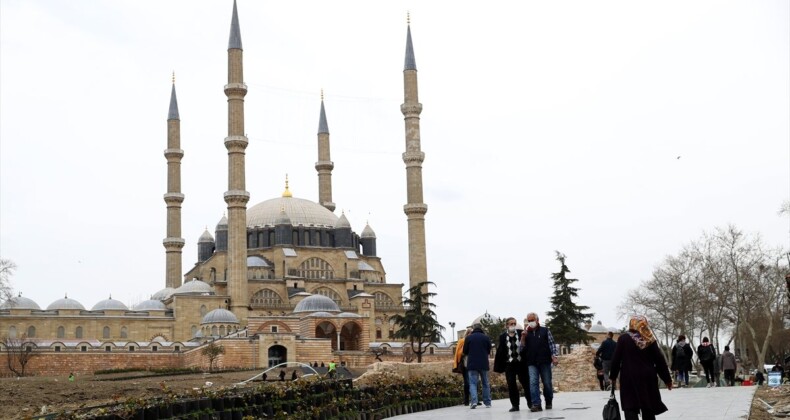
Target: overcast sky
614, 132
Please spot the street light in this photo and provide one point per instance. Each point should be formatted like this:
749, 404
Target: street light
452, 329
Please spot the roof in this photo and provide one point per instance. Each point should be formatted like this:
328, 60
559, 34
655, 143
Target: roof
65, 303
194, 287
219, 316
163, 294
316, 303
110, 304
19, 302
150, 305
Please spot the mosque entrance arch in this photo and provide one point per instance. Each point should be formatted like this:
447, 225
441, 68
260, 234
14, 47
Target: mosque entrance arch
277, 354
350, 336
328, 330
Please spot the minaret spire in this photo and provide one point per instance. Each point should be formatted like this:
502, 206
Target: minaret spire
324, 165
413, 157
236, 197
173, 243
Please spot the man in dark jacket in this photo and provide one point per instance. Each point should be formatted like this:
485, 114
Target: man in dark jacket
508, 360
540, 352
476, 348
605, 352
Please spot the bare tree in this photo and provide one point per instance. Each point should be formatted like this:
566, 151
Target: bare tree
19, 352
7, 268
212, 351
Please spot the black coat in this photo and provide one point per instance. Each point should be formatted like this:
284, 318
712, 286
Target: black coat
681, 357
477, 346
637, 370
503, 350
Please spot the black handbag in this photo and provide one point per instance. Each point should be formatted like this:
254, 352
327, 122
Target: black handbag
611, 411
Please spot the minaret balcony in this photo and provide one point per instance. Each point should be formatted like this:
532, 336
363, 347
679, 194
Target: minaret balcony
174, 198
236, 89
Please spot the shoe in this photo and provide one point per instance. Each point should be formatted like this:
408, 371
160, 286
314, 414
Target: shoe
479, 403
548, 406
535, 408
709, 386
488, 405
472, 407
513, 409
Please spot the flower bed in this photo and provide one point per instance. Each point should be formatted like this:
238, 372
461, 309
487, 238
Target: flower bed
313, 398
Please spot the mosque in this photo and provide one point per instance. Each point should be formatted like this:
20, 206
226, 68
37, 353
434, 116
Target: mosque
286, 279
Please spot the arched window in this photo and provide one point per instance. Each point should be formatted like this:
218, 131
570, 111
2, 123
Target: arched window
331, 294
307, 238
105, 332
295, 238
222, 330
31, 331
194, 331
212, 276
124, 333
78, 332
214, 330
383, 300
61, 332
265, 297
317, 241
12, 332
315, 268
203, 310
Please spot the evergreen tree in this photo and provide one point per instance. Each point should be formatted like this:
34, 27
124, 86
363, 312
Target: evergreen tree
566, 317
418, 324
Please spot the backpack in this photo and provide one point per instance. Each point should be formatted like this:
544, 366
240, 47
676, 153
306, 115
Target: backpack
706, 353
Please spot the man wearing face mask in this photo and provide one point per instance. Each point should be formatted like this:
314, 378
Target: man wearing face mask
539, 351
508, 361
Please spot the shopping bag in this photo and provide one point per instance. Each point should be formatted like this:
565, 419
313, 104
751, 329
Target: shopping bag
611, 411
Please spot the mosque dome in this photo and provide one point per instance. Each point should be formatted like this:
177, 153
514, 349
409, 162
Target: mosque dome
299, 211
256, 261
486, 317
163, 294
322, 315
150, 305
20, 302
65, 303
598, 328
110, 305
317, 303
193, 287
219, 316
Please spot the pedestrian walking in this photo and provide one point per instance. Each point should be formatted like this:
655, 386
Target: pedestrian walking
605, 352
706, 354
728, 366
477, 348
459, 363
681, 360
540, 353
507, 360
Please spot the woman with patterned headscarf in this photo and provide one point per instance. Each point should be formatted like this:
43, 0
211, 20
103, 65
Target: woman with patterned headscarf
637, 360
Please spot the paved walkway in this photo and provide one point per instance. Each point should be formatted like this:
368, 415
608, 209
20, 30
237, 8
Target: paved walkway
688, 403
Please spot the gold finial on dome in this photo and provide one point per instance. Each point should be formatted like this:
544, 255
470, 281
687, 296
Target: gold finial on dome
287, 192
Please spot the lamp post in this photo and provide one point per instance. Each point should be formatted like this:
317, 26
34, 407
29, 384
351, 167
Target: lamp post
452, 329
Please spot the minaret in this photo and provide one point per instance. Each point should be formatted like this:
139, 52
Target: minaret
324, 165
236, 197
415, 209
173, 198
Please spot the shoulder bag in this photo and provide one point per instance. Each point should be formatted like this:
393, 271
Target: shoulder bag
611, 411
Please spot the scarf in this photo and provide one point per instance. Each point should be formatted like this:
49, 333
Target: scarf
640, 332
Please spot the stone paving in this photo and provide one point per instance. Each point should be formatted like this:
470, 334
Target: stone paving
687, 403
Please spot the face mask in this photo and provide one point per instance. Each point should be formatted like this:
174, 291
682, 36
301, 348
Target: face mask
532, 324
511, 329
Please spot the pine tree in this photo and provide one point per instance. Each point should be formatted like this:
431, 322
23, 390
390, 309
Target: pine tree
566, 316
418, 324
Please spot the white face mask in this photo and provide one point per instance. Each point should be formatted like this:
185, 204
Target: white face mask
511, 329
532, 324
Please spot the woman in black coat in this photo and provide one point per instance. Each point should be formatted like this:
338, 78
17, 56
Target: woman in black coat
637, 360
681, 360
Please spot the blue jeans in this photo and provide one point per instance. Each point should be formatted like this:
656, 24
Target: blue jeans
473, 387
543, 371
683, 377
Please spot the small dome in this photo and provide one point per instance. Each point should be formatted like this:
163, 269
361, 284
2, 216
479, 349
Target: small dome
317, 303
256, 261
368, 232
342, 222
20, 302
321, 315
282, 218
194, 287
198, 334
163, 294
219, 316
486, 317
205, 237
223, 223
598, 328
65, 303
150, 305
110, 304
348, 315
